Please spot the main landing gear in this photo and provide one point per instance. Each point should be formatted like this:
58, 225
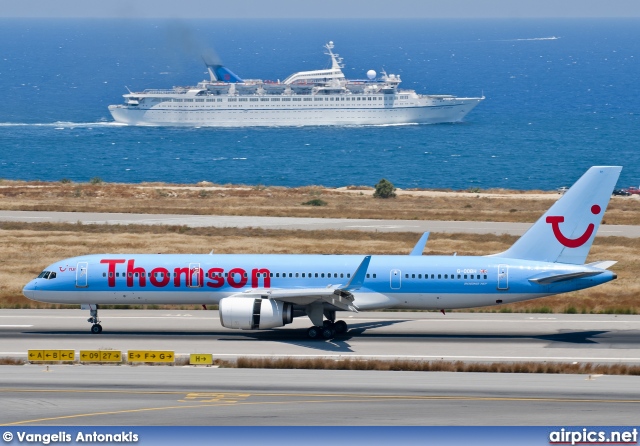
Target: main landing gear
328, 330
96, 328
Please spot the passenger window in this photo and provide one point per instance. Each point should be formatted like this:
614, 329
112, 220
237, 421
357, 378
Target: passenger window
419, 276
348, 275
117, 274
296, 274
413, 276
367, 276
374, 275
465, 276
316, 274
485, 276
110, 274
406, 276
458, 276
277, 274
341, 275
290, 274
104, 274
270, 274
439, 276
322, 275
446, 276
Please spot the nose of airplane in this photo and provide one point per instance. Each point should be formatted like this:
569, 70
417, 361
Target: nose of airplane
30, 289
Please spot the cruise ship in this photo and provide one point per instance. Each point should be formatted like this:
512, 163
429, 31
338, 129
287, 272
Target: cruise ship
318, 97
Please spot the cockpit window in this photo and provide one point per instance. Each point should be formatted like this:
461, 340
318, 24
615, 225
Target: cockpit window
42, 274
52, 276
47, 275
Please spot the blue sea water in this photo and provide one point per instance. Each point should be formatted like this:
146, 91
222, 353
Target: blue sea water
554, 106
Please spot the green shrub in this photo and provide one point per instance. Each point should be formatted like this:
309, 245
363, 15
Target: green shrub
385, 189
96, 180
315, 202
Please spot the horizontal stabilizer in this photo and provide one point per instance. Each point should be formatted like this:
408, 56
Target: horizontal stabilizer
604, 264
551, 277
419, 248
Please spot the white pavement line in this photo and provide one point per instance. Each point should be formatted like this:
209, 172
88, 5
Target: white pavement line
391, 357
15, 326
436, 357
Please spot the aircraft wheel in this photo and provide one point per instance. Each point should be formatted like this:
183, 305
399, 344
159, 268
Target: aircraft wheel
328, 333
327, 324
313, 332
96, 329
340, 327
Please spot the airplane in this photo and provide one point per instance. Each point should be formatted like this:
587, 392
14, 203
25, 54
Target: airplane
265, 291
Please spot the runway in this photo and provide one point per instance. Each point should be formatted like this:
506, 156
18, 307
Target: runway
130, 396
221, 221
485, 337
175, 395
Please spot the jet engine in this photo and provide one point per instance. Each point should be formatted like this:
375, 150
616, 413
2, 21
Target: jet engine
247, 313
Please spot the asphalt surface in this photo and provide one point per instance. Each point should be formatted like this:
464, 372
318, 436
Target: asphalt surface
124, 395
41, 394
220, 221
485, 337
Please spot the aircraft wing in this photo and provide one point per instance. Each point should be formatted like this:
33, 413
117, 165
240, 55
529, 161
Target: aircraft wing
339, 296
306, 296
333, 296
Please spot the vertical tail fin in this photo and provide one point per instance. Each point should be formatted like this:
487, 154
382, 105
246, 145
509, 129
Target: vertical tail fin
564, 234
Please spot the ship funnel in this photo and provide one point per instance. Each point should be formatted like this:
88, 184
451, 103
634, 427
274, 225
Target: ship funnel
221, 73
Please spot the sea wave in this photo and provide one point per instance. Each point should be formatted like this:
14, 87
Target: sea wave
63, 124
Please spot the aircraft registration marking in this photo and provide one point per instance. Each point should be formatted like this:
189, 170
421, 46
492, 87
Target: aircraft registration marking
51, 355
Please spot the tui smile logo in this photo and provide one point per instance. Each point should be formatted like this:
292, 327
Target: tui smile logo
572, 242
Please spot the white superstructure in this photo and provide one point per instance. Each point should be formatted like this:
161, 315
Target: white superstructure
318, 97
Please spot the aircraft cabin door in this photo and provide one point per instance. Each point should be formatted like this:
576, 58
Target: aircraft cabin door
396, 279
81, 275
195, 279
503, 277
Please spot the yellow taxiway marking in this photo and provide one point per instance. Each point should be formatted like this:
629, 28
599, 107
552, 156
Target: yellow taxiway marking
323, 395
323, 398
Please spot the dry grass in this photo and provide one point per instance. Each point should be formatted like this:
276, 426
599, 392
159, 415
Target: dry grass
507, 206
28, 248
437, 366
399, 365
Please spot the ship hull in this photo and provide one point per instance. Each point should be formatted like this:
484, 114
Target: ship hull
429, 114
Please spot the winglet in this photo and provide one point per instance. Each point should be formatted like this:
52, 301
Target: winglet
358, 277
419, 248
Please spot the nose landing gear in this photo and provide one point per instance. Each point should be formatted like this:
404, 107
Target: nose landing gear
96, 328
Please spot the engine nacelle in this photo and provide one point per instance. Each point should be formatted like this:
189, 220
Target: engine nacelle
247, 313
